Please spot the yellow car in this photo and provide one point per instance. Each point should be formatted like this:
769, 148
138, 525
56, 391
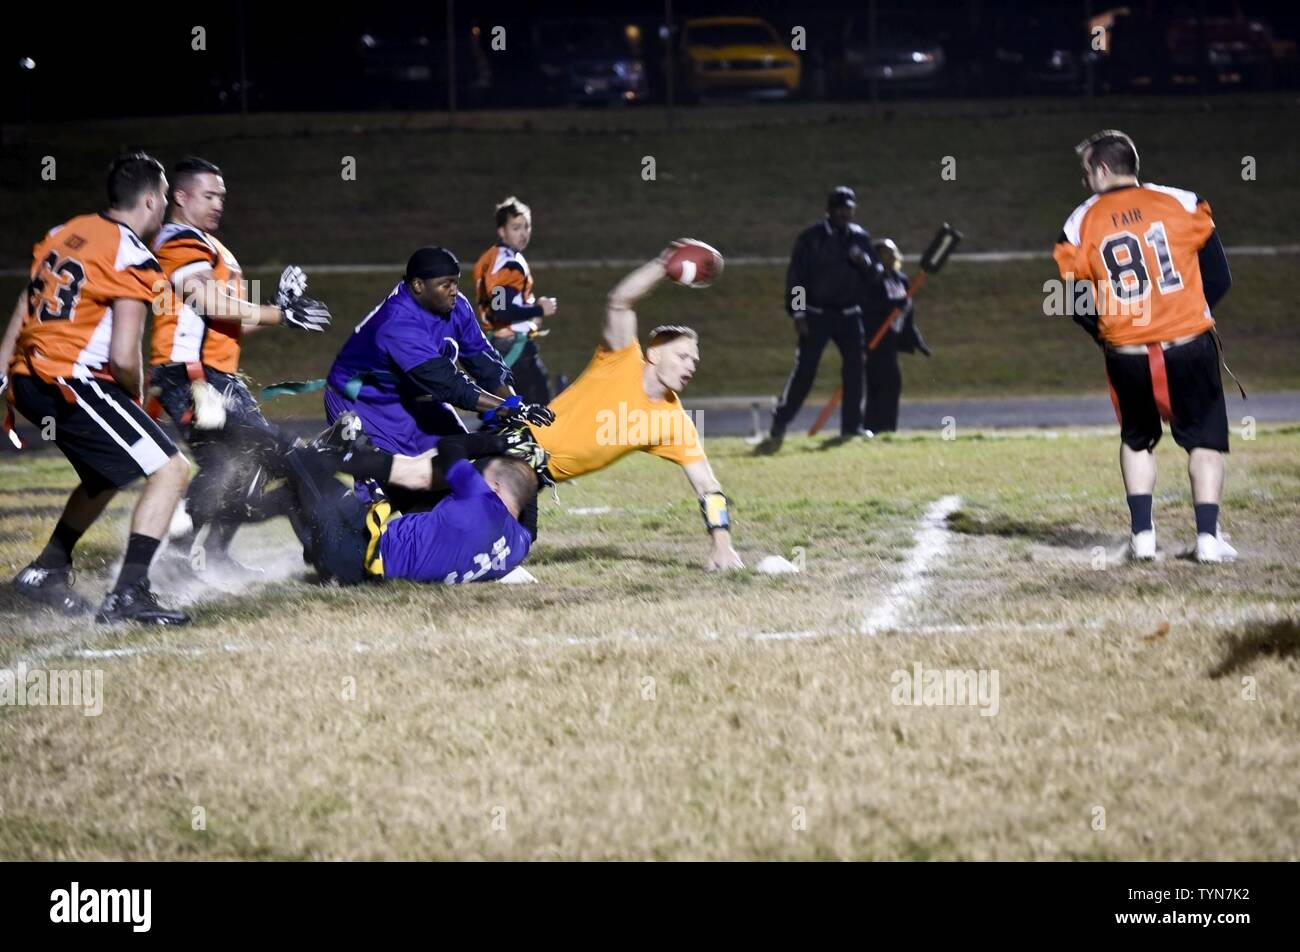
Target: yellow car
737, 54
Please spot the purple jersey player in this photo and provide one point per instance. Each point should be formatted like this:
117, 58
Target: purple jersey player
471, 535
398, 370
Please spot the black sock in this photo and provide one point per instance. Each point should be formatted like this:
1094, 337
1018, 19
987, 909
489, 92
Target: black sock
1139, 511
1207, 518
57, 553
140, 551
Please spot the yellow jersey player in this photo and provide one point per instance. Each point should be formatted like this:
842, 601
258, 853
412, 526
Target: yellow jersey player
626, 401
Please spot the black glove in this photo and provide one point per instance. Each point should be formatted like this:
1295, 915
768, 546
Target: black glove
306, 314
293, 285
514, 412
534, 413
512, 436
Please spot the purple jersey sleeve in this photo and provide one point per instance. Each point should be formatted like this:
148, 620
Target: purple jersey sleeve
408, 343
466, 481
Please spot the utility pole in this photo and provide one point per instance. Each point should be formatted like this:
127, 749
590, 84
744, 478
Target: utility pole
451, 63
669, 58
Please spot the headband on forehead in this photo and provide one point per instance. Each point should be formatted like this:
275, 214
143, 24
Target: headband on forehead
432, 262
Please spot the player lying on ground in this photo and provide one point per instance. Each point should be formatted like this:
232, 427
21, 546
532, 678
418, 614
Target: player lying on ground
471, 535
398, 370
626, 400
198, 328
72, 348
1155, 267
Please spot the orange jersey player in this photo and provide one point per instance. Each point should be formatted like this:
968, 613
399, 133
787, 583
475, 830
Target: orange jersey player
627, 401
195, 354
72, 348
507, 308
1155, 267
181, 334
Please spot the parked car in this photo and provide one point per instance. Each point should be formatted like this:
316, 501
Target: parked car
1239, 49
1163, 50
1018, 53
908, 55
409, 71
745, 55
590, 61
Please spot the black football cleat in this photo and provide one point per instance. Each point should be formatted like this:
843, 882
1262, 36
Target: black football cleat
52, 588
137, 605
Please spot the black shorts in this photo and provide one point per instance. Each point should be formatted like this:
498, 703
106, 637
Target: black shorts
105, 435
1199, 413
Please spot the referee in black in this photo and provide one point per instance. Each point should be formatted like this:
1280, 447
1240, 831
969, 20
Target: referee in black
832, 268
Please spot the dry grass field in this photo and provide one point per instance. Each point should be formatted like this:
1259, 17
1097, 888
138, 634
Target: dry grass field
631, 706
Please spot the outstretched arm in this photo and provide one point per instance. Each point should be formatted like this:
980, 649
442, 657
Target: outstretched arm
211, 298
721, 556
620, 316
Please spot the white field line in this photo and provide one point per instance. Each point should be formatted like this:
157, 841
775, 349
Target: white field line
34, 659
785, 635
740, 261
72, 650
931, 541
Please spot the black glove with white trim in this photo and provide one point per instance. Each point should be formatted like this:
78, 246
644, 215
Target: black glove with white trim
306, 314
293, 285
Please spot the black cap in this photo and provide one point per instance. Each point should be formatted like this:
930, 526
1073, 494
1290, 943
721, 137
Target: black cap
840, 196
432, 262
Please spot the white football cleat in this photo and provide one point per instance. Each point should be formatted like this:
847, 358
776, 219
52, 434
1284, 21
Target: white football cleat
1142, 546
518, 576
1208, 548
1226, 551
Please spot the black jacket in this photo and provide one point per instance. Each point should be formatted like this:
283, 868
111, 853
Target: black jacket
820, 265
881, 300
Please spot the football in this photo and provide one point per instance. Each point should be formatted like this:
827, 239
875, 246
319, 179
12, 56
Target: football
693, 263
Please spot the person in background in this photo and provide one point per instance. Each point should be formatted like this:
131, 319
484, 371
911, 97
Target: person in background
832, 266
510, 314
884, 380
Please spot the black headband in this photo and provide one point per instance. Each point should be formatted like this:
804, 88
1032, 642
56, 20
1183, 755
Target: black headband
432, 262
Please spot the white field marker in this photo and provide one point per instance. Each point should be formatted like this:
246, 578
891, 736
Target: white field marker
931, 540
